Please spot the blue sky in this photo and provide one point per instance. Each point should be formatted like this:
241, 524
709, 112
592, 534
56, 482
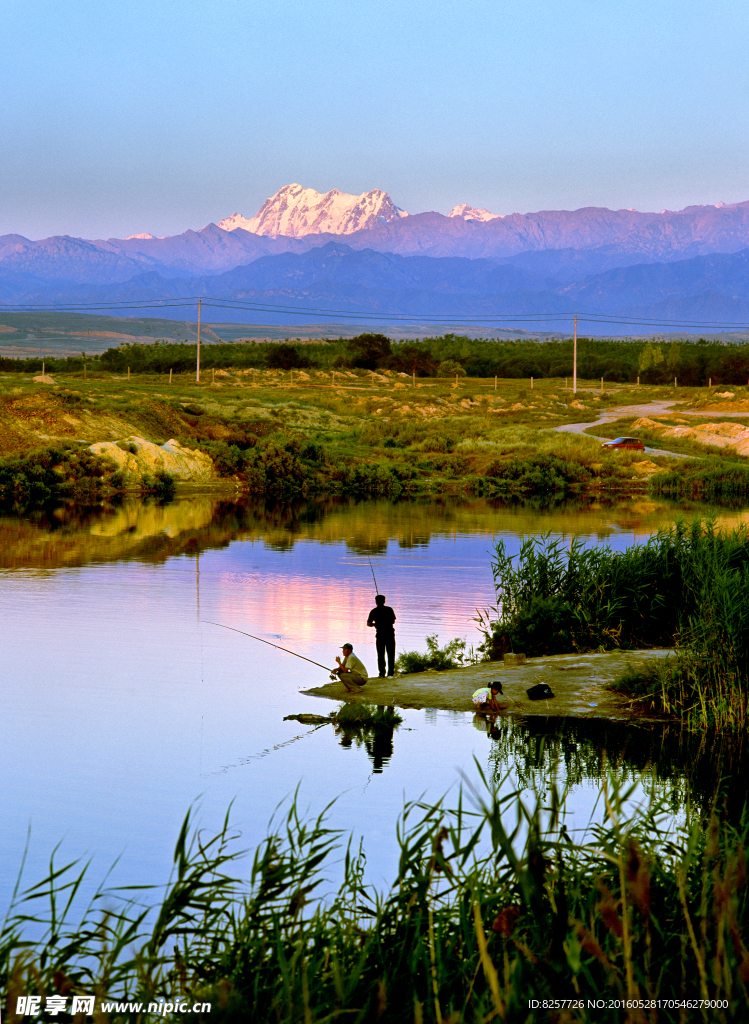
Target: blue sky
119, 117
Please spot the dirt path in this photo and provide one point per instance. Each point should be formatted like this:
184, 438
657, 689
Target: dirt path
650, 409
579, 683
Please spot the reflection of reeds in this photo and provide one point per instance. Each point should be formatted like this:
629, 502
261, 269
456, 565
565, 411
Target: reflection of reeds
490, 908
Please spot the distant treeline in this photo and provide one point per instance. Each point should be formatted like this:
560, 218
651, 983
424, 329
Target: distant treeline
69, 364
654, 362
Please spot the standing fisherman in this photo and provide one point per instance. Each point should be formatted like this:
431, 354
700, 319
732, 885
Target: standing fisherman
382, 617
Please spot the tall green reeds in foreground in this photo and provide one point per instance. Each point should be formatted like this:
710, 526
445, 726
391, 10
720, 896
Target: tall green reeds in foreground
687, 587
491, 907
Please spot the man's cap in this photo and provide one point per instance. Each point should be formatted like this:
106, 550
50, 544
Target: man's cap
347, 645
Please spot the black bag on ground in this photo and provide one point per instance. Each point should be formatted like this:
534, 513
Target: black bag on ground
541, 691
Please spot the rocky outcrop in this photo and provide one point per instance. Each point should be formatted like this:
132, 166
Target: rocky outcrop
137, 458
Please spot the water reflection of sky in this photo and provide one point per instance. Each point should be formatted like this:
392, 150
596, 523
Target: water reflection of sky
121, 707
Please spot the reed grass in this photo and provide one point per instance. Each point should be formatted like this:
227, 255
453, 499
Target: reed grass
687, 587
717, 480
494, 903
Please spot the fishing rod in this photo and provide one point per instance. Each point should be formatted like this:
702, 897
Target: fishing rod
278, 648
377, 589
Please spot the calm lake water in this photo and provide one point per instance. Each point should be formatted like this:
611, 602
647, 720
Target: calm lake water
122, 706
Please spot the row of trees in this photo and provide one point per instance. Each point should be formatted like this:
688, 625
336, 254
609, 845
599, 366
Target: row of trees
654, 362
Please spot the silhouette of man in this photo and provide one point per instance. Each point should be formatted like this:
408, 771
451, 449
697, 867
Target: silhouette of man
382, 618
380, 747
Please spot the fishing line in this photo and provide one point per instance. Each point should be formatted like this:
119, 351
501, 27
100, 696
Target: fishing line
268, 750
277, 646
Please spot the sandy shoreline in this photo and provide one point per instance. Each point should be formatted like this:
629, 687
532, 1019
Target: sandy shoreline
579, 683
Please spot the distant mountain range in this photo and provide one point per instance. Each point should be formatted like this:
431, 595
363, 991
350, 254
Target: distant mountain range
688, 264
337, 278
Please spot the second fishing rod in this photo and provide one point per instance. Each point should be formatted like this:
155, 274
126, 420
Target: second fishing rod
377, 589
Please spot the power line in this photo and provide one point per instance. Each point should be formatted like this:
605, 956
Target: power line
181, 302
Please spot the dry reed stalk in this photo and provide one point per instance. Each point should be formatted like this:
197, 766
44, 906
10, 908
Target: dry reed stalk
486, 963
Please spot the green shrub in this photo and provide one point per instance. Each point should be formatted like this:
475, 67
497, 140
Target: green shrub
545, 625
440, 443
313, 451
368, 351
161, 485
452, 655
271, 468
34, 478
283, 356
537, 474
227, 458
450, 368
71, 399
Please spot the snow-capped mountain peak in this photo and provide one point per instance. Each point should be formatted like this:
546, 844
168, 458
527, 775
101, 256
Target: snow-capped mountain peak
295, 211
471, 213
142, 235
235, 221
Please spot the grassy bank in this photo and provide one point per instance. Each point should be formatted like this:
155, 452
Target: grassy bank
292, 433
490, 908
358, 434
686, 587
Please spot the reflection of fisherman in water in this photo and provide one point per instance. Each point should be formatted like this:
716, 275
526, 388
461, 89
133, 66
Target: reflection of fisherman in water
382, 617
380, 746
377, 740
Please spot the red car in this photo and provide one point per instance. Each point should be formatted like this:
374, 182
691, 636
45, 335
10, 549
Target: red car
625, 442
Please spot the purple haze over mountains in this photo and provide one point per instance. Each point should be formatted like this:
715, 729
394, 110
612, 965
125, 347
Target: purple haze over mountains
685, 264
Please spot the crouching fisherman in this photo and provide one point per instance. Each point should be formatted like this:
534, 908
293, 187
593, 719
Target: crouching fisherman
350, 671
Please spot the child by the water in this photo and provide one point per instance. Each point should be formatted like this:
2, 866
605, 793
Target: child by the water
486, 699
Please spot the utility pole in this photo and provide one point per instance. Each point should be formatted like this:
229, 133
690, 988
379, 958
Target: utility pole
197, 367
574, 360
